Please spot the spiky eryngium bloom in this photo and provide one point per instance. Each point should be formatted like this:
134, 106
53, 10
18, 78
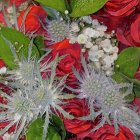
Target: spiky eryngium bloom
19, 110
57, 30
104, 93
91, 84
28, 69
130, 119
111, 103
49, 96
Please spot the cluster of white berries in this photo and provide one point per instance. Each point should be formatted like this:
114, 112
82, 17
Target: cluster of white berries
101, 46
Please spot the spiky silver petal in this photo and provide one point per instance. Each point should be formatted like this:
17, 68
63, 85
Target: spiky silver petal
129, 118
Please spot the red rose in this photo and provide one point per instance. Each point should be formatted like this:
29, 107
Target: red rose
78, 108
107, 133
121, 7
128, 31
72, 58
32, 22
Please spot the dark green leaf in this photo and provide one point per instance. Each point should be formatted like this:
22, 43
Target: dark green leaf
35, 130
39, 42
59, 126
19, 41
53, 134
56, 127
56, 4
128, 62
137, 91
86, 7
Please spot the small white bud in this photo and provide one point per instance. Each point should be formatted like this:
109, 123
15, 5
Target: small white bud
66, 12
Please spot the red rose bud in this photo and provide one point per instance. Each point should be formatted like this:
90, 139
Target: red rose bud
32, 24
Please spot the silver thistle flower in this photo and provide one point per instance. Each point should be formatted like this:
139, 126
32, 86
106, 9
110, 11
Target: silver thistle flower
108, 96
19, 110
111, 103
49, 96
57, 30
91, 85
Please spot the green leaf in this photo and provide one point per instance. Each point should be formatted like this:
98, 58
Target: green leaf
53, 134
39, 42
118, 78
35, 130
56, 4
58, 123
137, 91
128, 62
130, 97
19, 41
56, 130
86, 7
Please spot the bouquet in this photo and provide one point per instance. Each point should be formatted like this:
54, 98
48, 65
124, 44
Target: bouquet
69, 70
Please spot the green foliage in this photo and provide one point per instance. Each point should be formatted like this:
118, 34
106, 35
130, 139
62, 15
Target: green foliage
86, 7
56, 130
126, 67
56, 4
137, 90
128, 62
39, 43
20, 43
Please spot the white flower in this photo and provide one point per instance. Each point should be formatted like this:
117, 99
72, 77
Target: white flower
72, 39
88, 45
101, 28
75, 27
95, 55
97, 65
115, 49
82, 39
108, 60
95, 23
3, 70
87, 19
106, 45
94, 48
115, 56
90, 32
